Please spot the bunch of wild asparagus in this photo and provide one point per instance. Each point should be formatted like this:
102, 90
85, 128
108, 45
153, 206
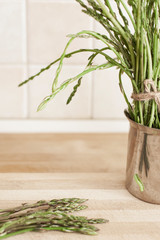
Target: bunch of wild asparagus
47, 215
132, 33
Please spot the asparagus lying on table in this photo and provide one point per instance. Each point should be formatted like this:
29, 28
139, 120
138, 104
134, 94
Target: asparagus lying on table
47, 215
40, 203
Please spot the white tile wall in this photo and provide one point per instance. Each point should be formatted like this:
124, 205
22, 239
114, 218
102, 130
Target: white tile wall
48, 25
11, 31
108, 100
33, 33
11, 97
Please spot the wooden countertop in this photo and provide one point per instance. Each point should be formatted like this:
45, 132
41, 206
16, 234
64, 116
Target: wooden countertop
62, 152
46, 166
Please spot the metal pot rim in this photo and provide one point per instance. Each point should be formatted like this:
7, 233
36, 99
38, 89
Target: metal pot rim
140, 127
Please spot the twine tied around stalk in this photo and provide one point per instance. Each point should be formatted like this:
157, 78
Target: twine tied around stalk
148, 95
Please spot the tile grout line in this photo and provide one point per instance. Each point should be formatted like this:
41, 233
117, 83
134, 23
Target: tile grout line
25, 59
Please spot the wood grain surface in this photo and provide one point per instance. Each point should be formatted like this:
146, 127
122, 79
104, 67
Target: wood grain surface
89, 166
62, 152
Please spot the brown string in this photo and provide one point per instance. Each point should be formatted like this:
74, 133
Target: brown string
148, 95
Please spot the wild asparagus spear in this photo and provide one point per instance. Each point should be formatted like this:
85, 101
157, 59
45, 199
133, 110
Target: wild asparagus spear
49, 217
71, 207
44, 215
58, 221
82, 230
52, 202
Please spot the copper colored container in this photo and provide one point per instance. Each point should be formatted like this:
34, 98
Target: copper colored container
143, 159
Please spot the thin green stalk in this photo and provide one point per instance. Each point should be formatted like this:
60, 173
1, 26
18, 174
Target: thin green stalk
110, 8
68, 55
152, 113
113, 20
78, 84
139, 54
154, 106
156, 32
129, 14
121, 31
105, 41
144, 65
155, 58
149, 76
141, 76
138, 41
16, 233
139, 182
69, 81
83, 230
90, 33
125, 96
157, 72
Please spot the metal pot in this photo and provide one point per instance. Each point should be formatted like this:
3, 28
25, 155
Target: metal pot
143, 160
